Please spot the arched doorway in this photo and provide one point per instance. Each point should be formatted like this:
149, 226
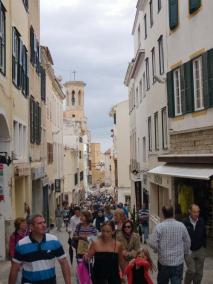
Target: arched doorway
4, 134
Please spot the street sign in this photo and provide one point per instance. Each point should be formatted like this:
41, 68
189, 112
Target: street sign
57, 185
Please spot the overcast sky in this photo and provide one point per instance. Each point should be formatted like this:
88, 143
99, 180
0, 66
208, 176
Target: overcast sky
94, 38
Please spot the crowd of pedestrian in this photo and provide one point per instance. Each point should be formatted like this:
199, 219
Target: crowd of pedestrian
107, 246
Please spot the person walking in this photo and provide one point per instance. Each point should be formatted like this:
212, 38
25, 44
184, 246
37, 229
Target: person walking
19, 233
143, 216
195, 261
171, 241
58, 218
99, 220
74, 221
130, 241
83, 233
108, 257
36, 254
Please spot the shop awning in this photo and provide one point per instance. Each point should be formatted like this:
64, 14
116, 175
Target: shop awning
185, 171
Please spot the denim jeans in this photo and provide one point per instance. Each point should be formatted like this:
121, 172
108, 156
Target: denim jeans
144, 231
172, 273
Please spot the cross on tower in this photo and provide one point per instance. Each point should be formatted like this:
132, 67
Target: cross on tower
74, 72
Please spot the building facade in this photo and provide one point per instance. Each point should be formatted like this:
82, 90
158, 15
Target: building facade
186, 176
121, 151
97, 165
147, 97
76, 143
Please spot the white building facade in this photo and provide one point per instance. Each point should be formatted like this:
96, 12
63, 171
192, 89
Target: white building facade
121, 151
147, 97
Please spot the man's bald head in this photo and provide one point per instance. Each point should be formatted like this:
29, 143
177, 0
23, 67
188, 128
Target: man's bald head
194, 211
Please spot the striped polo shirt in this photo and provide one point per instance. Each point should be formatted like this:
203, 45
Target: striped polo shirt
38, 259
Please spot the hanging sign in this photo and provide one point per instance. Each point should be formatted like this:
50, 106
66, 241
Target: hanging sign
1, 182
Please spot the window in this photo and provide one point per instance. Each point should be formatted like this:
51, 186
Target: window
139, 36
153, 66
173, 14
145, 27
159, 5
114, 117
15, 59
140, 91
19, 64
144, 84
151, 12
164, 128
35, 122
147, 74
198, 83
150, 132
2, 40
34, 50
144, 149
177, 92
156, 131
194, 5
161, 55
73, 98
81, 175
49, 153
20, 139
80, 154
79, 98
43, 83
76, 178
137, 100
26, 5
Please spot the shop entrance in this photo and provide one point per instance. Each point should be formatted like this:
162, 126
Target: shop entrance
200, 192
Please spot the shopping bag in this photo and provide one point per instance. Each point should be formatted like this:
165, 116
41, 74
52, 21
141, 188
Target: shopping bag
83, 273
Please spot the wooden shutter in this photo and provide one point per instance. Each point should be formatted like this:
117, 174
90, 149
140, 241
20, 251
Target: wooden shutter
36, 122
32, 140
32, 45
210, 75
173, 14
189, 87
170, 94
205, 79
194, 5
20, 64
182, 90
43, 84
14, 54
39, 124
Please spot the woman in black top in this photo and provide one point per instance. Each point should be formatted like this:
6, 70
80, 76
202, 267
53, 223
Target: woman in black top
108, 256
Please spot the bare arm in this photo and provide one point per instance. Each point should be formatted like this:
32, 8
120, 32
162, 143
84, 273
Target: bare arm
65, 270
91, 252
121, 258
14, 272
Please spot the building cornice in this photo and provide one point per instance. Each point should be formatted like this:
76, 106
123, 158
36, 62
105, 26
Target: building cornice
128, 72
138, 58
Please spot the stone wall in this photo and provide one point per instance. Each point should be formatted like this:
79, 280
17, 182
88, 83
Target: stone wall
195, 142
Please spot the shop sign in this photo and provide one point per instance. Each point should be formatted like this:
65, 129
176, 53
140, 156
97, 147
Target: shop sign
37, 173
158, 179
1, 182
57, 185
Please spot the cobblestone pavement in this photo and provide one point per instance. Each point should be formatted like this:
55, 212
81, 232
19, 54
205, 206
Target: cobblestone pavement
63, 236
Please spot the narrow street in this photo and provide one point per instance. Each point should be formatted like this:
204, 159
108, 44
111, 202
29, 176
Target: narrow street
5, 266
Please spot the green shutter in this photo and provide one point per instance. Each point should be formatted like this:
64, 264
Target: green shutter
189, 88
205, 80
210, 75
194, 5
32, 120
182, 89
170, 94
173, 14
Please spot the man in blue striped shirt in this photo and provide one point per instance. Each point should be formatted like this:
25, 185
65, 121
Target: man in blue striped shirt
36, 255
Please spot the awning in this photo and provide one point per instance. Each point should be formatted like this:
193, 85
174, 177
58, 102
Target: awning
185, 171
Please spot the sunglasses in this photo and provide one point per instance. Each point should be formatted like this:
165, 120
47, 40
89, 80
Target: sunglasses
129, 227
